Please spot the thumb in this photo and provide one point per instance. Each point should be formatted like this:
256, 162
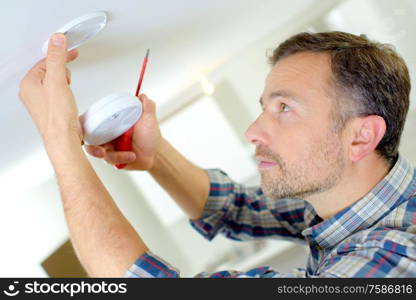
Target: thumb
149, 107
56, 59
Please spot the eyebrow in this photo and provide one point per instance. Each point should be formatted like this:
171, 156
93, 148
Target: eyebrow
281, 93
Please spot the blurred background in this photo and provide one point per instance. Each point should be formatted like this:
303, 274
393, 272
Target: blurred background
206, 71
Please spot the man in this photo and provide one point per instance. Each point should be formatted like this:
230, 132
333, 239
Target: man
334, 106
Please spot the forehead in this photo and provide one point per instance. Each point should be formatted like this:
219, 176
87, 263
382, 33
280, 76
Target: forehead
306, 75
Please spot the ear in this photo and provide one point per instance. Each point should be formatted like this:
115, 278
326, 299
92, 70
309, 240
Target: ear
367, 133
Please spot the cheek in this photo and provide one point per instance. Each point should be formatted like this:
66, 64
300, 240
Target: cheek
294, 144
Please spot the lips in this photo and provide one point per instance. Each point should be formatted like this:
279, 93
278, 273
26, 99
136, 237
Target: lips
264, 163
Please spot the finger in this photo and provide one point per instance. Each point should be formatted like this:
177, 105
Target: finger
81, 119
108, 146
72, 55
37, 72
119, 157
33, 78
40, 64
149, 107
56, 59
39, 69
68, 76
95, 151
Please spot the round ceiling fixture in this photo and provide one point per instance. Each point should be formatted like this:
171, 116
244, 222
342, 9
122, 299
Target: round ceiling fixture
81, 29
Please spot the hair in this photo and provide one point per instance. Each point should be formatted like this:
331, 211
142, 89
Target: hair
368, 78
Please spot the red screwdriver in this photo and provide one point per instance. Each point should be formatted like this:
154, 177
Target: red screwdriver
123, 142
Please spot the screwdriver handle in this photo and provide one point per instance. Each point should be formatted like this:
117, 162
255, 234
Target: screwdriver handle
123, 143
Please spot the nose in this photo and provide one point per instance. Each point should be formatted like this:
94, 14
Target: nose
255, 133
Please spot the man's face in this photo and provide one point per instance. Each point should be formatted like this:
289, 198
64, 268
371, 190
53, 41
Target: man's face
298, 150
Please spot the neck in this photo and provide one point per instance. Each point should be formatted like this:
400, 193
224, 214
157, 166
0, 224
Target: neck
358, 180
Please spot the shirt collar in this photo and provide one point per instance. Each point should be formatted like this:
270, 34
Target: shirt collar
391, 191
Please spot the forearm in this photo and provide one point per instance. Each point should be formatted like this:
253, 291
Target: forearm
186, 183
104, 241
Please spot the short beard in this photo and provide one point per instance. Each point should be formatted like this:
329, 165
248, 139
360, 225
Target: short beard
318, 172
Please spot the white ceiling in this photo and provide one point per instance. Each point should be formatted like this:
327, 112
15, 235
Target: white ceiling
186, 38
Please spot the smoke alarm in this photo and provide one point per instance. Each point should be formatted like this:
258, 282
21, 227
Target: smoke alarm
110, 117
81, 29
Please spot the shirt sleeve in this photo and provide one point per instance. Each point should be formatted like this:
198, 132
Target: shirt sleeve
151, 266
244, 213
387, 260
370, 259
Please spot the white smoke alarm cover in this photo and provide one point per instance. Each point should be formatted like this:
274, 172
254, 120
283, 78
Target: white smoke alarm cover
81, 29
110, 117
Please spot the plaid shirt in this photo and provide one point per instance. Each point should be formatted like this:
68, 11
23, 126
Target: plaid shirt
374, 237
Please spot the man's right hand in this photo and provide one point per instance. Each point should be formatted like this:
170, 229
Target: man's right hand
145, 143
181, 179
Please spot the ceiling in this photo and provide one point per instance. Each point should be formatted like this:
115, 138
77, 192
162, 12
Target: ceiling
186, 38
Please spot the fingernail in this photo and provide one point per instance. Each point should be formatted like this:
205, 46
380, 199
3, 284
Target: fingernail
97, 152
131, 156
58, 39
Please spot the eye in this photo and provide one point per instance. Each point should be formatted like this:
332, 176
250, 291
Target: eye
284, 107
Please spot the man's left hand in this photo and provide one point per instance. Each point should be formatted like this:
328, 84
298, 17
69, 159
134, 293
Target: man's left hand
47, 96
